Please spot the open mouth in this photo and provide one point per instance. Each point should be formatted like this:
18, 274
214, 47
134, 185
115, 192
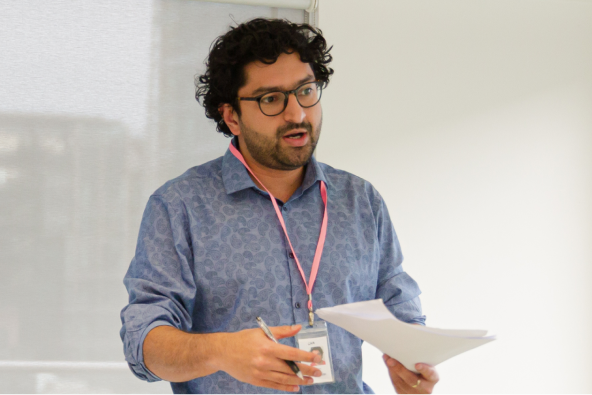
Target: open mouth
295, 136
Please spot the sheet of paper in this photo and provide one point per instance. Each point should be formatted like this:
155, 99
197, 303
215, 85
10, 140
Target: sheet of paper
371, 321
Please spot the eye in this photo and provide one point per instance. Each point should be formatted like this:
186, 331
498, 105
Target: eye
271, 98
305, 91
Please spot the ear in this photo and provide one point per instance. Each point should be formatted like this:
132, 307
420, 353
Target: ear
230, 118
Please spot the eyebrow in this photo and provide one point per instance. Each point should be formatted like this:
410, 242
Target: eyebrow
263, 89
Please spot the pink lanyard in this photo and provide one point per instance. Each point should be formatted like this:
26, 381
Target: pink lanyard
317, 257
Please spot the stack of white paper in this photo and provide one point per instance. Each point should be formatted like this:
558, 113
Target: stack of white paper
371, 321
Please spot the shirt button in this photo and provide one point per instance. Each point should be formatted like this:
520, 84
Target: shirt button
291, 255
285, 208
297, 305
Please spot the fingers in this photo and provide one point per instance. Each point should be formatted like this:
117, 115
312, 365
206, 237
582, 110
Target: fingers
288, 379
401, 386
278, 375
276, 386
280, 365
294, 354
291, 353
287, 353
308, 370
284, 382
405, 381
428, 372
261, 362
276, 365
401, 371
280, 332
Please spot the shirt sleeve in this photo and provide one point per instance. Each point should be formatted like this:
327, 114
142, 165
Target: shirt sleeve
399, 292
159, 280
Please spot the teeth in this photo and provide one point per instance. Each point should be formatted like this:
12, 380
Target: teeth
295, 136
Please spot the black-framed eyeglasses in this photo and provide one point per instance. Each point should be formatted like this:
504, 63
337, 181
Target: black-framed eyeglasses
274, 103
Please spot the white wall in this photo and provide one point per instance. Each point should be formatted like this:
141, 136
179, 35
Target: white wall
473, 120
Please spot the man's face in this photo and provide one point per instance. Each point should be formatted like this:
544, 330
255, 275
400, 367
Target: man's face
285, 141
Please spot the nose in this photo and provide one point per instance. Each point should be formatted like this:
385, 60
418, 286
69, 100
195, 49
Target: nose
294, 112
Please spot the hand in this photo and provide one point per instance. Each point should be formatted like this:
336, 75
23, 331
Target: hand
250, 356
407, 382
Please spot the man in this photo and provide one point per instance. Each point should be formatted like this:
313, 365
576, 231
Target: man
213, 254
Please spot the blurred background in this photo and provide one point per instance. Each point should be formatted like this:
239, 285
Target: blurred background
473, 120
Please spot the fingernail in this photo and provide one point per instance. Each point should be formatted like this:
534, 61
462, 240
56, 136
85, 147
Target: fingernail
418, 366
295, 388
309, 381
317, 373
390, 362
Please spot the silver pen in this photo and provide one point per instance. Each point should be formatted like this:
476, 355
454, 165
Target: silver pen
291, 364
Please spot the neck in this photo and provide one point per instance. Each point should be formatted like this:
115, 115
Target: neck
281, 183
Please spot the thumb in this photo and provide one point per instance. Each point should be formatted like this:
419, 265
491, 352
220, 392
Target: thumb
280, 332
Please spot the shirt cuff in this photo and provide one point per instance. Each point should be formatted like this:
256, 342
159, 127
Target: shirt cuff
139, 368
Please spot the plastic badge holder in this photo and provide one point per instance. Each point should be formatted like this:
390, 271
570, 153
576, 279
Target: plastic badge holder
316, 337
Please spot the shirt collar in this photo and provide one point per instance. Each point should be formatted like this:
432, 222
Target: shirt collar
236, 177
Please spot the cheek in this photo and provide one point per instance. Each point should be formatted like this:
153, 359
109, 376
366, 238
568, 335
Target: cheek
256, 121
249, 118
264, 130
315, 116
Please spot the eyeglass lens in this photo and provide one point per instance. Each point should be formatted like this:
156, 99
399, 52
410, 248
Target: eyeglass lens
274, 103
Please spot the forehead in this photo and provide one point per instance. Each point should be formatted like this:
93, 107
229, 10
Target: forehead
284, 73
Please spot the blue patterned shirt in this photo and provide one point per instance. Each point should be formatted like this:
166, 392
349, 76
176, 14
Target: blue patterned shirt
211, 256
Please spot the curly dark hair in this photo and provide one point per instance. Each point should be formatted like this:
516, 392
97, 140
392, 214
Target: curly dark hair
261, 40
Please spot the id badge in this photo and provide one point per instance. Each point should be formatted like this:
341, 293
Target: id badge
316, 338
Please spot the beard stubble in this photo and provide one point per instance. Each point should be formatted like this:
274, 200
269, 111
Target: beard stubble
268, 151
